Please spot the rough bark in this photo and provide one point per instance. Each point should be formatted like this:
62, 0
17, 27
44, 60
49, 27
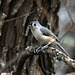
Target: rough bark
15, 34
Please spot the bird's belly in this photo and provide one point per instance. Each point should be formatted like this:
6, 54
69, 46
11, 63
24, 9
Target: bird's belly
44, 39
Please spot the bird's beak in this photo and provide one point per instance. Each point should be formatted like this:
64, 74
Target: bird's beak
30, 25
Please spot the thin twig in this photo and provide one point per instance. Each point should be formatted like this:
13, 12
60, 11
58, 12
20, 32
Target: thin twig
26, 14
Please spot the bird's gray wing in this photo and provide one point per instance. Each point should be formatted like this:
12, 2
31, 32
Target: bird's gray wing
47, 32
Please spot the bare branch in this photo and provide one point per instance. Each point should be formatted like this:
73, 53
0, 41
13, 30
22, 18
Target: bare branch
26, 14
53, 52
61, 56
21, 62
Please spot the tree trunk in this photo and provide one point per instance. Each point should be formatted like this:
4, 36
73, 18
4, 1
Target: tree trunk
16, 35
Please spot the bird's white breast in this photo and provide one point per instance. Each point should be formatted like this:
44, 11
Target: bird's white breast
40, 37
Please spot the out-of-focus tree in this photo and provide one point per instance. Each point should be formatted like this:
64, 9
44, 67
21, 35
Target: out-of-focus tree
67, 31
15, 34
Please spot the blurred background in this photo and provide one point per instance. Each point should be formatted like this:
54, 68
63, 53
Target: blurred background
67, 32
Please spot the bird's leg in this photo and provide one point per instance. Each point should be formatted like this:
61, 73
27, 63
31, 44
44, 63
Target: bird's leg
46, 45
38, 48
42, 47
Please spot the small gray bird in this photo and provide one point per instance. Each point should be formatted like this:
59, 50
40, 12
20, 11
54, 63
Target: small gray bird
44, 35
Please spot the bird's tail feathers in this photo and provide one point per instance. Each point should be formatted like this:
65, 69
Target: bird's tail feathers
62, 48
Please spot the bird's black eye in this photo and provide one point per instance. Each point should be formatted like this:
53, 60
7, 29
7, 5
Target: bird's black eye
34, 24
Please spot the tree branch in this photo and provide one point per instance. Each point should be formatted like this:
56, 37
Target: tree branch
21, 62
61, 56
53, 52
48, 50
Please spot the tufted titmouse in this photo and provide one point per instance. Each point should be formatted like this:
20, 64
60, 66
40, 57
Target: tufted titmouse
44, 35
